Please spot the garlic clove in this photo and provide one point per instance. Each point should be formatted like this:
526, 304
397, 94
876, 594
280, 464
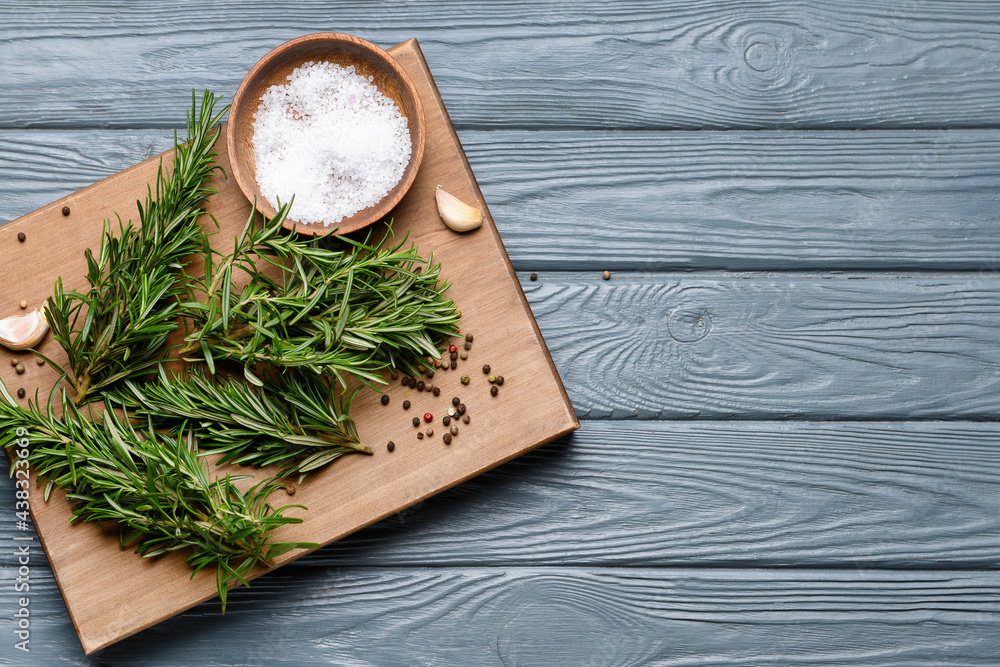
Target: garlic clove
456, 213
21, 332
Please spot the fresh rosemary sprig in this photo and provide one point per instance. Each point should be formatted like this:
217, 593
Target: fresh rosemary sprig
153, 486
116, 329
293, 421
344, 313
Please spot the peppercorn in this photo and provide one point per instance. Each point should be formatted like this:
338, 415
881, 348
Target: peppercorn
406, 405
428, 417
492, 379
486, 369
429, 374
428, 386
494, 391
500, 380
437, 391
534, 276
412, 383
420, 435
13, 362
65, 210
468, 338
463, 356
461, 408
456, 400
465, 379
20, 392
290, 488
454, 364
420, 386
20, 369
23, 304
391, 446
454, 430
437, 363
452, 348
446, 420
416, 421
452, 412
405, 382
21, 237
468, 345
453, 355
430, 431
465, 419
606, 275
40, 361
447, 438
385, 399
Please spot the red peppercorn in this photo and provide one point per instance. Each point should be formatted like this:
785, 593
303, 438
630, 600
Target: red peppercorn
428, 417
452, 348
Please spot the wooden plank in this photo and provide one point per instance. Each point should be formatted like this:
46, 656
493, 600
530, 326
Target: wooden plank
638, 64
672, 346
111, 593
700, 200
914, 495
546, 616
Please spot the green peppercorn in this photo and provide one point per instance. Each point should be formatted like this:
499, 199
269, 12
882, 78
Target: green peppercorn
465, 379
468, 345
492, 379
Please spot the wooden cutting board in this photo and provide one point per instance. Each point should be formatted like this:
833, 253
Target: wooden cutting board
111, 594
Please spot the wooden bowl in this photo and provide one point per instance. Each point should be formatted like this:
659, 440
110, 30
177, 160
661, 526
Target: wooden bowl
275, 67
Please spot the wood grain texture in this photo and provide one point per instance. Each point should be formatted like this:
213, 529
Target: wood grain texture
670, 346
744, 201
771, 494
676, 64
111, 594
320, 615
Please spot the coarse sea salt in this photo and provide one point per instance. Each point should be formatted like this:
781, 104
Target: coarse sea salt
332, 140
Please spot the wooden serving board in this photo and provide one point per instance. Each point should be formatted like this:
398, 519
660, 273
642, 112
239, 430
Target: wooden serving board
111, 594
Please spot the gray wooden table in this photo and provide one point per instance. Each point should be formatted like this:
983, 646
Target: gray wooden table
789, 388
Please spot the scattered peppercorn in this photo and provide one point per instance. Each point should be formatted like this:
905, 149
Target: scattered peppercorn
492, 379
454, 430
13, 362
391, 446
452, 412
453, 355
461, 408
437, 363
430, 431
428, 417
500, 380
606, 275
446, 420
455, 401
420, 435
494, 391
406, 405
452, 348
20, 369
465, 379
21, 237
23, 304
405, 382
437, 391
385, 399
20, 392
447, 438
416, 421
468, 338
534, 276
465, 419
468, 345
65, 210
463, 356
412, 383
429, 374
454, 364
40, 361
486, 369
420, 385
290, 488
428, 386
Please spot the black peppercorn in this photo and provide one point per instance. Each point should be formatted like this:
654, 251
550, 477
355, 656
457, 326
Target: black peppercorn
412, 383
468, 337
494, 391
420, 436
385, 399
391, 446
405, 381
446, 420
500, 380
447, 438
416, 421
406, 405
421, 385
65, 210
453, 355
20, 392
455, 401
486, 369
454, 364
461, 408
534, 276
21, 237
437, 391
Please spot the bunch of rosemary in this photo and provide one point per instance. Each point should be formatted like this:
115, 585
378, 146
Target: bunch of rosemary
153, 486
342, 313
116, 329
